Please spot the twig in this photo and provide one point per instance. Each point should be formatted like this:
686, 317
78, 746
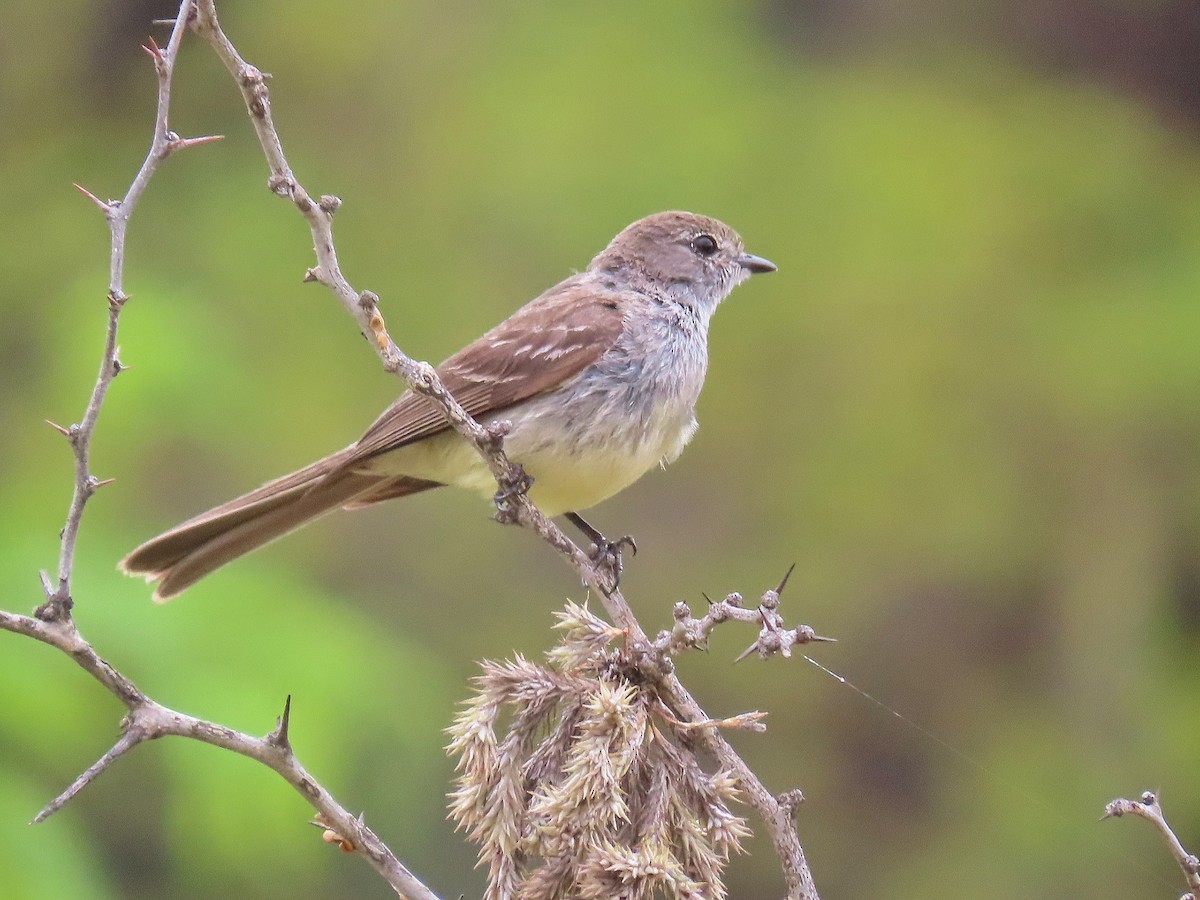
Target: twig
690, 632
1148, 808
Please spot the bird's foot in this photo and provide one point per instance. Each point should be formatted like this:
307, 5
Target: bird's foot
516, 485
606, 554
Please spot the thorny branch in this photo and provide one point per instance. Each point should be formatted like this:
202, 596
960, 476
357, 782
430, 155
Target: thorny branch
117, 212
147, 719
773, 637
52, 622
1148, 808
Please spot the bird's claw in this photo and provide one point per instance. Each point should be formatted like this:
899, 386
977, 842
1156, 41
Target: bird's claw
608, 555
517, 484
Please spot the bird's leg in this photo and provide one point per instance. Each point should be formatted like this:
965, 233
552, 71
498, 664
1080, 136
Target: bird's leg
603, 551
512, 487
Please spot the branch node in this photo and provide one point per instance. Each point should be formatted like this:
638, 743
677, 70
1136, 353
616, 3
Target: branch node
494, 433
329, 203
57, 608
311, 274
281, 185
250, 75
789, 801
368, 300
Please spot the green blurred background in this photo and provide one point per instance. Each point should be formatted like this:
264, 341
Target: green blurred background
967, 406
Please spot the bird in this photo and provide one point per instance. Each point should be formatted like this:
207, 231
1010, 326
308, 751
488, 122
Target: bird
598, 378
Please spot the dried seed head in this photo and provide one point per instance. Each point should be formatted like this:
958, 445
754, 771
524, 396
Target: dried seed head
570, 787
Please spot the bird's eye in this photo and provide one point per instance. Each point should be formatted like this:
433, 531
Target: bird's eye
704, 244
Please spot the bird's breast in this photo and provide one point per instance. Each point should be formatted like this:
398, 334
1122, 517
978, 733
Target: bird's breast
591, 436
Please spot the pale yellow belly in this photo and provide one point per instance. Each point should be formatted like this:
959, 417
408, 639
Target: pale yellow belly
562, 482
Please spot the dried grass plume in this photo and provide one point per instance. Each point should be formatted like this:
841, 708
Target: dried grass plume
575, 783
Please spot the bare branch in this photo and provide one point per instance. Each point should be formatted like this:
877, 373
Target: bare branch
117, 212
147, 720
1147, 807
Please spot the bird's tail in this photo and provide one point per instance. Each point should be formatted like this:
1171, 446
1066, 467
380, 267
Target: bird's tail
178, 558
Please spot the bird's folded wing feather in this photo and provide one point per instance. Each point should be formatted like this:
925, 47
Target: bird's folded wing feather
542, 345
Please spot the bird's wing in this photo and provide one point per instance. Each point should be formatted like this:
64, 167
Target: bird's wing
536, 349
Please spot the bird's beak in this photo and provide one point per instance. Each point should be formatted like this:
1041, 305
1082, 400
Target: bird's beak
755, 263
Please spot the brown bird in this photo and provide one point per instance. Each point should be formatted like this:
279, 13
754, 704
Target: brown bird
599, 378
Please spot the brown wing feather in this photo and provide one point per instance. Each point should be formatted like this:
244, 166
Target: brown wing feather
537, 348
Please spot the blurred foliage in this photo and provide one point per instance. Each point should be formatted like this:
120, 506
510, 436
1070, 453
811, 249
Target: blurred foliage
966, 406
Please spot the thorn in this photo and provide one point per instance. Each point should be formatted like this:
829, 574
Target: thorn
65, 432
746, 652
100, 203
707, 599
155, 52
786, 576
279, 737
47, 584
97, 484
178, 143
281, 185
